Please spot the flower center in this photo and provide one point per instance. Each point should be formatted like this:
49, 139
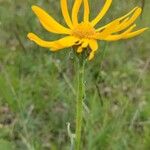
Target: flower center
83, 30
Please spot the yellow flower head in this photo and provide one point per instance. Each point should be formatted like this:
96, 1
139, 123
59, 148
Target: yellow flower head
83, 34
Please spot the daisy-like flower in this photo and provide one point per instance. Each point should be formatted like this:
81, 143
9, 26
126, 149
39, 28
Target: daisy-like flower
83, 34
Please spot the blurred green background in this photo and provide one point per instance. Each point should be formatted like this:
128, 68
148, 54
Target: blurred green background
37, 87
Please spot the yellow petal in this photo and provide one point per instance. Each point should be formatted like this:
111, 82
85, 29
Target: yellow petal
130, 21
65, 42
64, 8
75, 11
126, 34
91, 56
78, 42
85, 43
102, 12
106, 31
39, 41
120, 19
129, 29
119, 36
123, 17
110, 27
48, 22
93, 45
110, 24
86, 10
135, 33
113, 38
80, 49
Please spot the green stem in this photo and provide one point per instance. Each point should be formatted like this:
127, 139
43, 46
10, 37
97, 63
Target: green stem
79, 101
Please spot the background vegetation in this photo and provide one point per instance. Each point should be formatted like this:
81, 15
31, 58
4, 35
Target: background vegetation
37, 87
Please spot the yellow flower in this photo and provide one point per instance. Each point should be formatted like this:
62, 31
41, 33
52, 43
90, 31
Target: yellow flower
83, 34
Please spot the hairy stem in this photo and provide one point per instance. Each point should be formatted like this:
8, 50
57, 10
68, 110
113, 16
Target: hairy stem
79, 101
